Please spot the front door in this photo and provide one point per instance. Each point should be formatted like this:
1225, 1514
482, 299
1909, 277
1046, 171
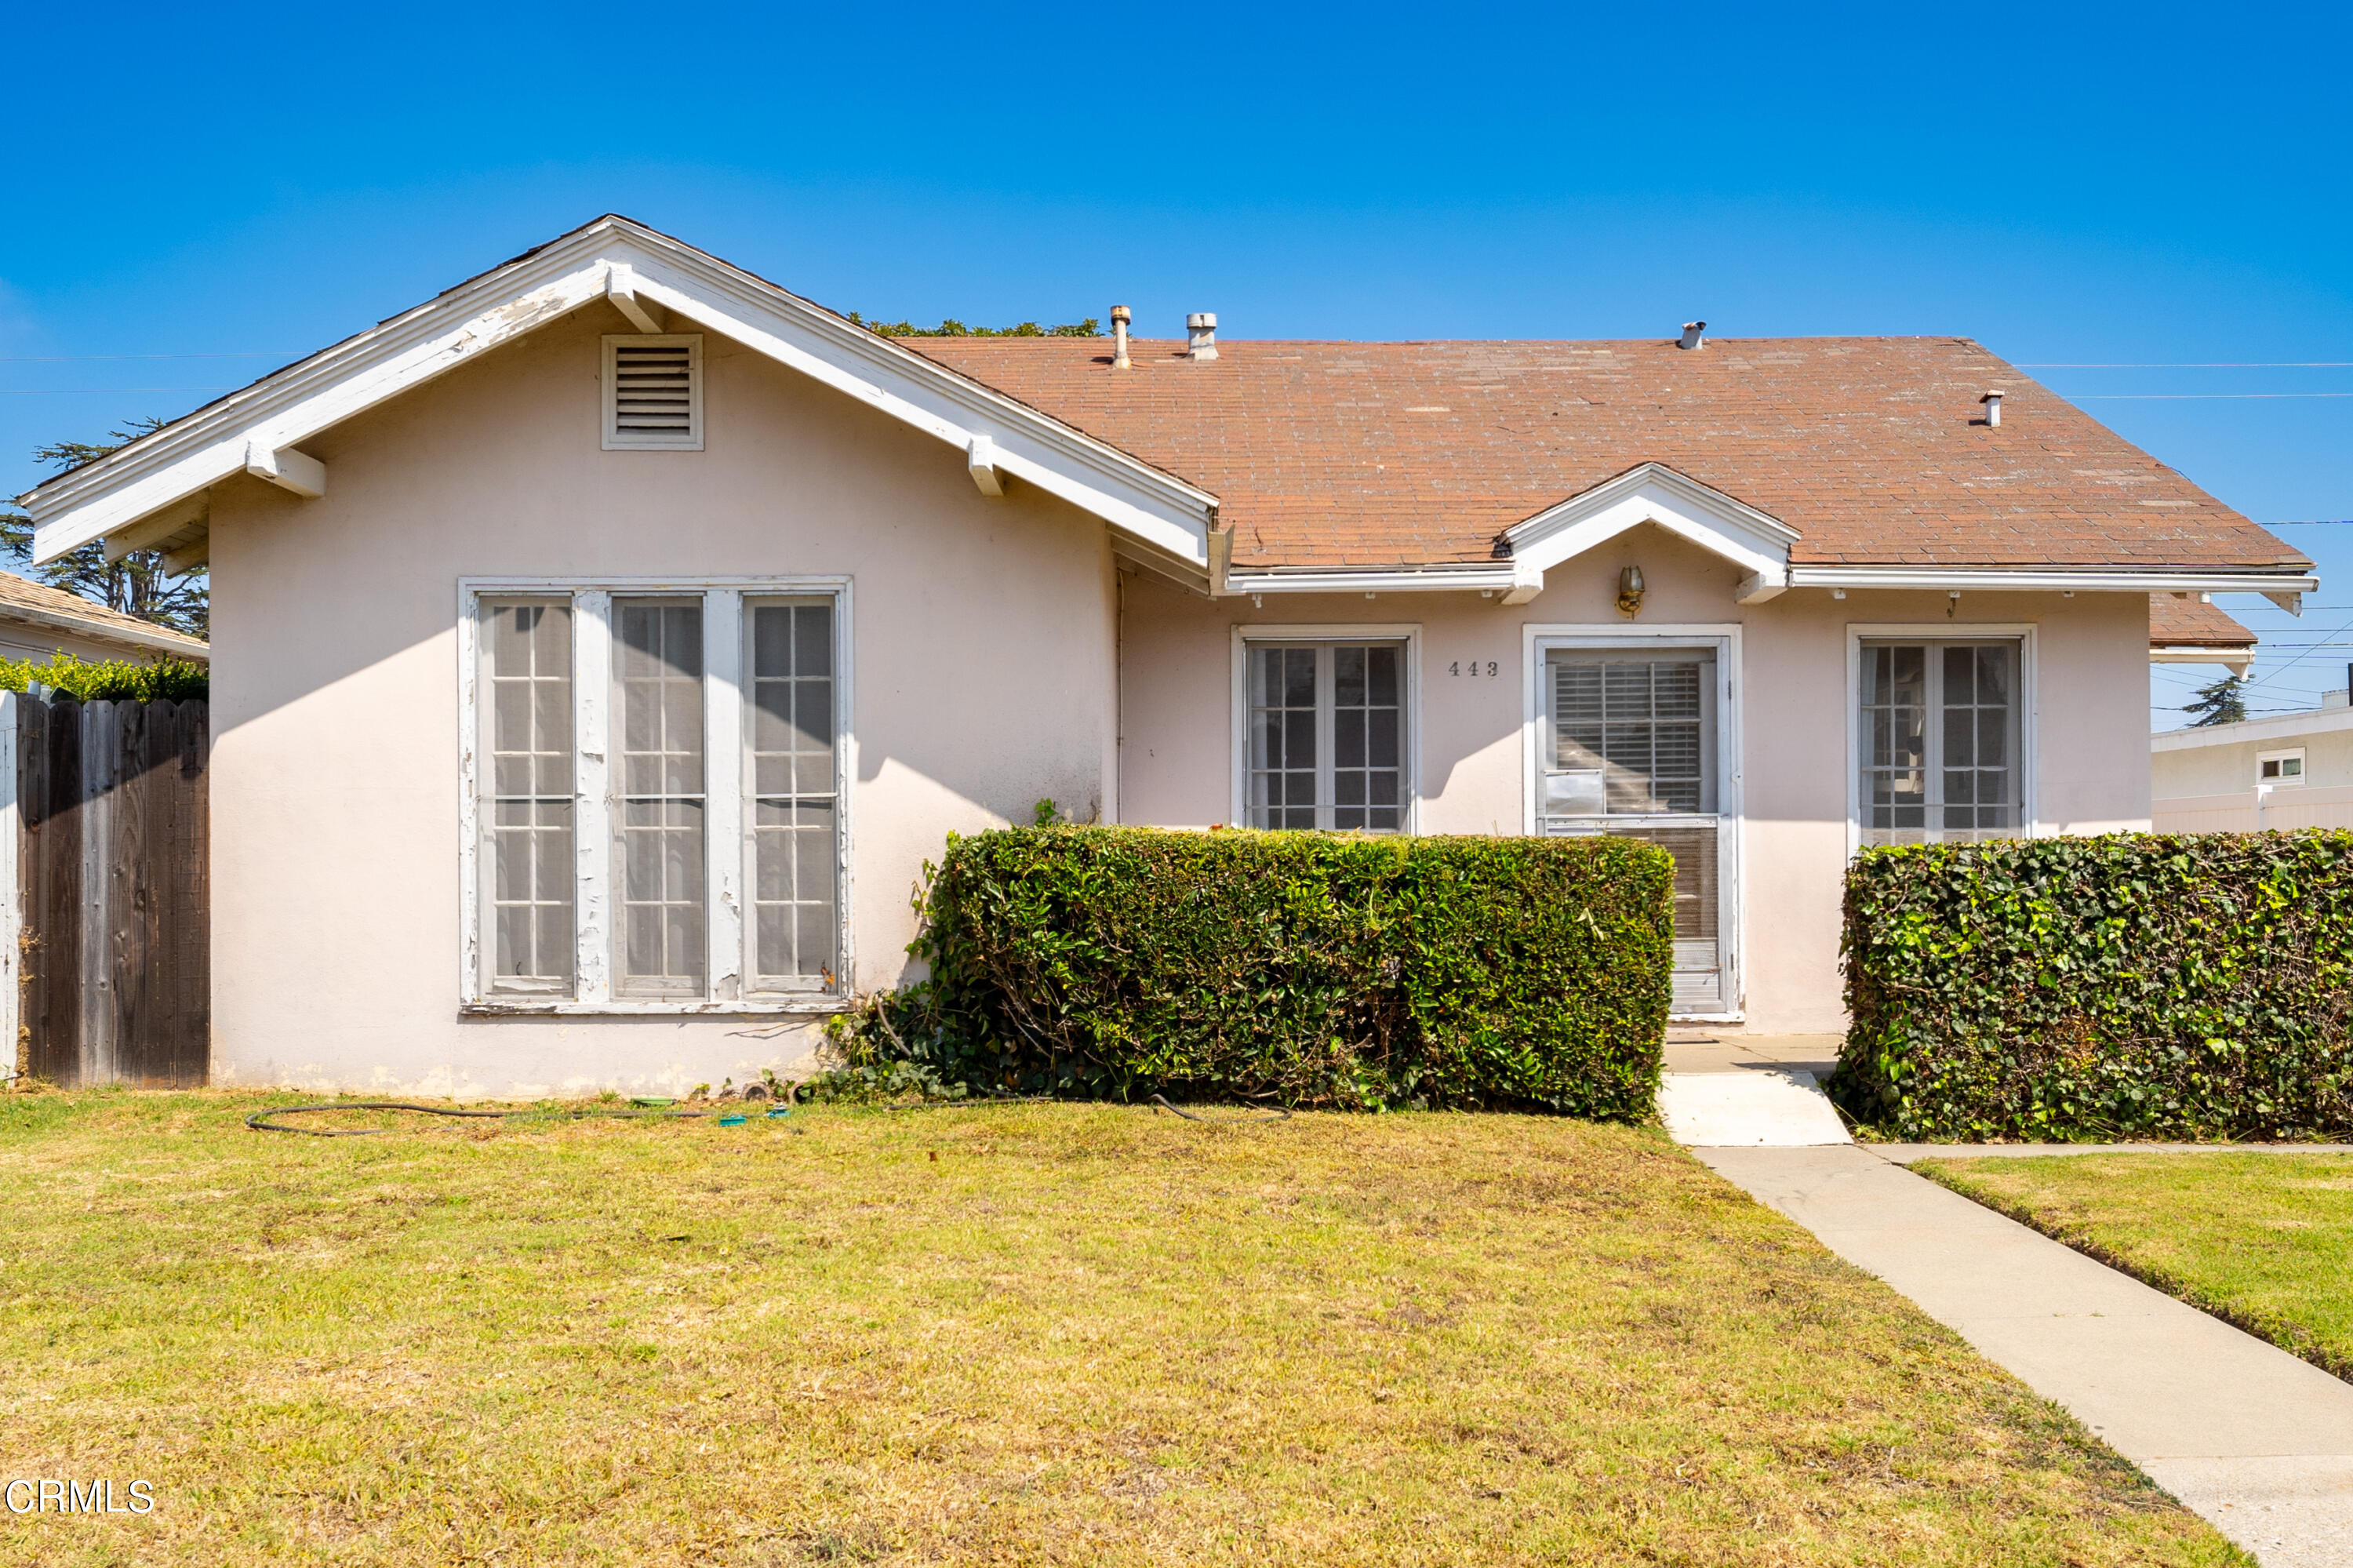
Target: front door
1628, 745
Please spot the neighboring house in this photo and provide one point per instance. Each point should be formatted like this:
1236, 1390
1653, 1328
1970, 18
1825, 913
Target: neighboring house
604, 644
2186, 628
38, 620
2281, 770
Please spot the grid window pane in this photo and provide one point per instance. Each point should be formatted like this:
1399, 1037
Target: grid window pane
528, 860
796, 919
658, 656
1326, 731
1940, 741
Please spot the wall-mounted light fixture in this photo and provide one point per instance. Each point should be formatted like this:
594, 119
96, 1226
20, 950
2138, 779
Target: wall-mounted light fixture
1630, 592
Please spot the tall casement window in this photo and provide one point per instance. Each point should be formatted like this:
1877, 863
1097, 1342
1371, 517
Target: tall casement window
1940, 740
658, 788
1325, 734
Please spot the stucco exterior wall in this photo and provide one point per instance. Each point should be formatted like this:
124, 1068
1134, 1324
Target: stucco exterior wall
2090, 665
984, 679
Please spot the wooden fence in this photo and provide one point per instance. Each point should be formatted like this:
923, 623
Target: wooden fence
2256, 810
109, 967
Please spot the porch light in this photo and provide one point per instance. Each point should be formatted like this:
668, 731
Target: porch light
1630, 592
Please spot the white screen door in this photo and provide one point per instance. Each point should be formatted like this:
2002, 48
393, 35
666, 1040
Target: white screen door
1630, 748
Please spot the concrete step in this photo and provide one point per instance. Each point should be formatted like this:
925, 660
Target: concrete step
1749, 1108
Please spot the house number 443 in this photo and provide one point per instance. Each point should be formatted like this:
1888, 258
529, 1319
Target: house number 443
1471, 668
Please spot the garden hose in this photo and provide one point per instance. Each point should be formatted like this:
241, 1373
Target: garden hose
1279, 1113
261, 1120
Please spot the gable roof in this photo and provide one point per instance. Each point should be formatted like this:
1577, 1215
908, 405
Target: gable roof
1873, 450
21, 599
258, 430
1827, 461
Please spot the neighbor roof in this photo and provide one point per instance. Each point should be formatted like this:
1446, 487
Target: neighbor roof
2191, 622
1396, 454
21, 599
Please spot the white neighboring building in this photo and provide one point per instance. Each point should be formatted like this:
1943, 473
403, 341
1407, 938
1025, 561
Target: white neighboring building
2283, 770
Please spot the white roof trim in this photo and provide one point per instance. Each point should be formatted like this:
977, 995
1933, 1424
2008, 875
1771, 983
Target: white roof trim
1375, 580
2272, 726
292, 405
2079, 579
1654, 492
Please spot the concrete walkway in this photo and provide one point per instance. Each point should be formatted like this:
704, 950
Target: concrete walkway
2257, 1441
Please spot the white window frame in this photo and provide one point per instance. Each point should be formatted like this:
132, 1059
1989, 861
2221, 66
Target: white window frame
615, 441
2030, 708
1410, 758
729, 840
1536, 641
2292, 754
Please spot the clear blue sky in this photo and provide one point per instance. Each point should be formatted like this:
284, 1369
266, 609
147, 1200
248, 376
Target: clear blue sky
2143, 185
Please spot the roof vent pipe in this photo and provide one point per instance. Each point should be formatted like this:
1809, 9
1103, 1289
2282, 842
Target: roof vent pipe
1693, 335
1201, 335
1119, 316
1992, 401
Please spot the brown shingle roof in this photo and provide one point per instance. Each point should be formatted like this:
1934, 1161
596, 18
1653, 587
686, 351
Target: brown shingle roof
50, 606
1394, 454
2191, 622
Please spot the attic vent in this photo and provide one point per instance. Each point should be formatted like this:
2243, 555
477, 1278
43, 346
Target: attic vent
653, 392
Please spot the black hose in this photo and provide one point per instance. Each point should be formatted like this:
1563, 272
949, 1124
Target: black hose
1279, 1114
259, 1122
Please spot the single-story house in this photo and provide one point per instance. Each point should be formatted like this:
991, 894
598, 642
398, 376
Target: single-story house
603, 645
37, 621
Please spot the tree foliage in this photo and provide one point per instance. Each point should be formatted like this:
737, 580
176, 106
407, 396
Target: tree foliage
954, 328
140, 583
2223, 702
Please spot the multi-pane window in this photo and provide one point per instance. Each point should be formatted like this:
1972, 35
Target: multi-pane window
528, 823
662, 855
1324, 725
1940, 741
659, 787
794, 805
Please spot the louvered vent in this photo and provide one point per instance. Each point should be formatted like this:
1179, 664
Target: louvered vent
653, 398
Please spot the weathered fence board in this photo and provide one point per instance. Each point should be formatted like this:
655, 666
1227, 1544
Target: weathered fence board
114, 872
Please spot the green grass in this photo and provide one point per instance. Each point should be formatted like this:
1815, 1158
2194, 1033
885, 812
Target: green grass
1005, 1334
2262, 1240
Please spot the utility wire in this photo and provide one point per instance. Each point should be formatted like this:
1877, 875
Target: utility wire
2197, 365
81, 391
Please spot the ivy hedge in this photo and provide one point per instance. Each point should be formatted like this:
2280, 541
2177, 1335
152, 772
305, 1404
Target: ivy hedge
1303, 968
2128, 986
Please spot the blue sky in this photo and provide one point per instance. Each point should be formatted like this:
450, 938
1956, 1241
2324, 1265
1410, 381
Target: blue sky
2144, 185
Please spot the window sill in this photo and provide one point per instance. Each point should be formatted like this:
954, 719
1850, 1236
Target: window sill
529, 1007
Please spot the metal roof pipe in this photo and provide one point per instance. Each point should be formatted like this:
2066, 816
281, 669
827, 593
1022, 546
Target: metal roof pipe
1201, 335
1694, 334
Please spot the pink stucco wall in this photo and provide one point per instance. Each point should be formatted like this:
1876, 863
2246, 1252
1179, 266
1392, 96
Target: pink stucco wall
2091, 655
983, 663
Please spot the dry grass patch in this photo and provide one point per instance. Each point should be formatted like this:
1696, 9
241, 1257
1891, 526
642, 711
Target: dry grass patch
1032, 1334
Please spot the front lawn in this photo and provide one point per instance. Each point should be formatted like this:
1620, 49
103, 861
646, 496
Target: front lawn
2263, 1240
1033, 1334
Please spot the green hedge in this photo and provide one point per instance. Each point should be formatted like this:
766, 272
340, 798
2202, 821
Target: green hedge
1307, 969
108, 680
2130, 986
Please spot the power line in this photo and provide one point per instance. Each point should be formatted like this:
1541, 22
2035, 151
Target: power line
2199, 365
86, 391
2188, 397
